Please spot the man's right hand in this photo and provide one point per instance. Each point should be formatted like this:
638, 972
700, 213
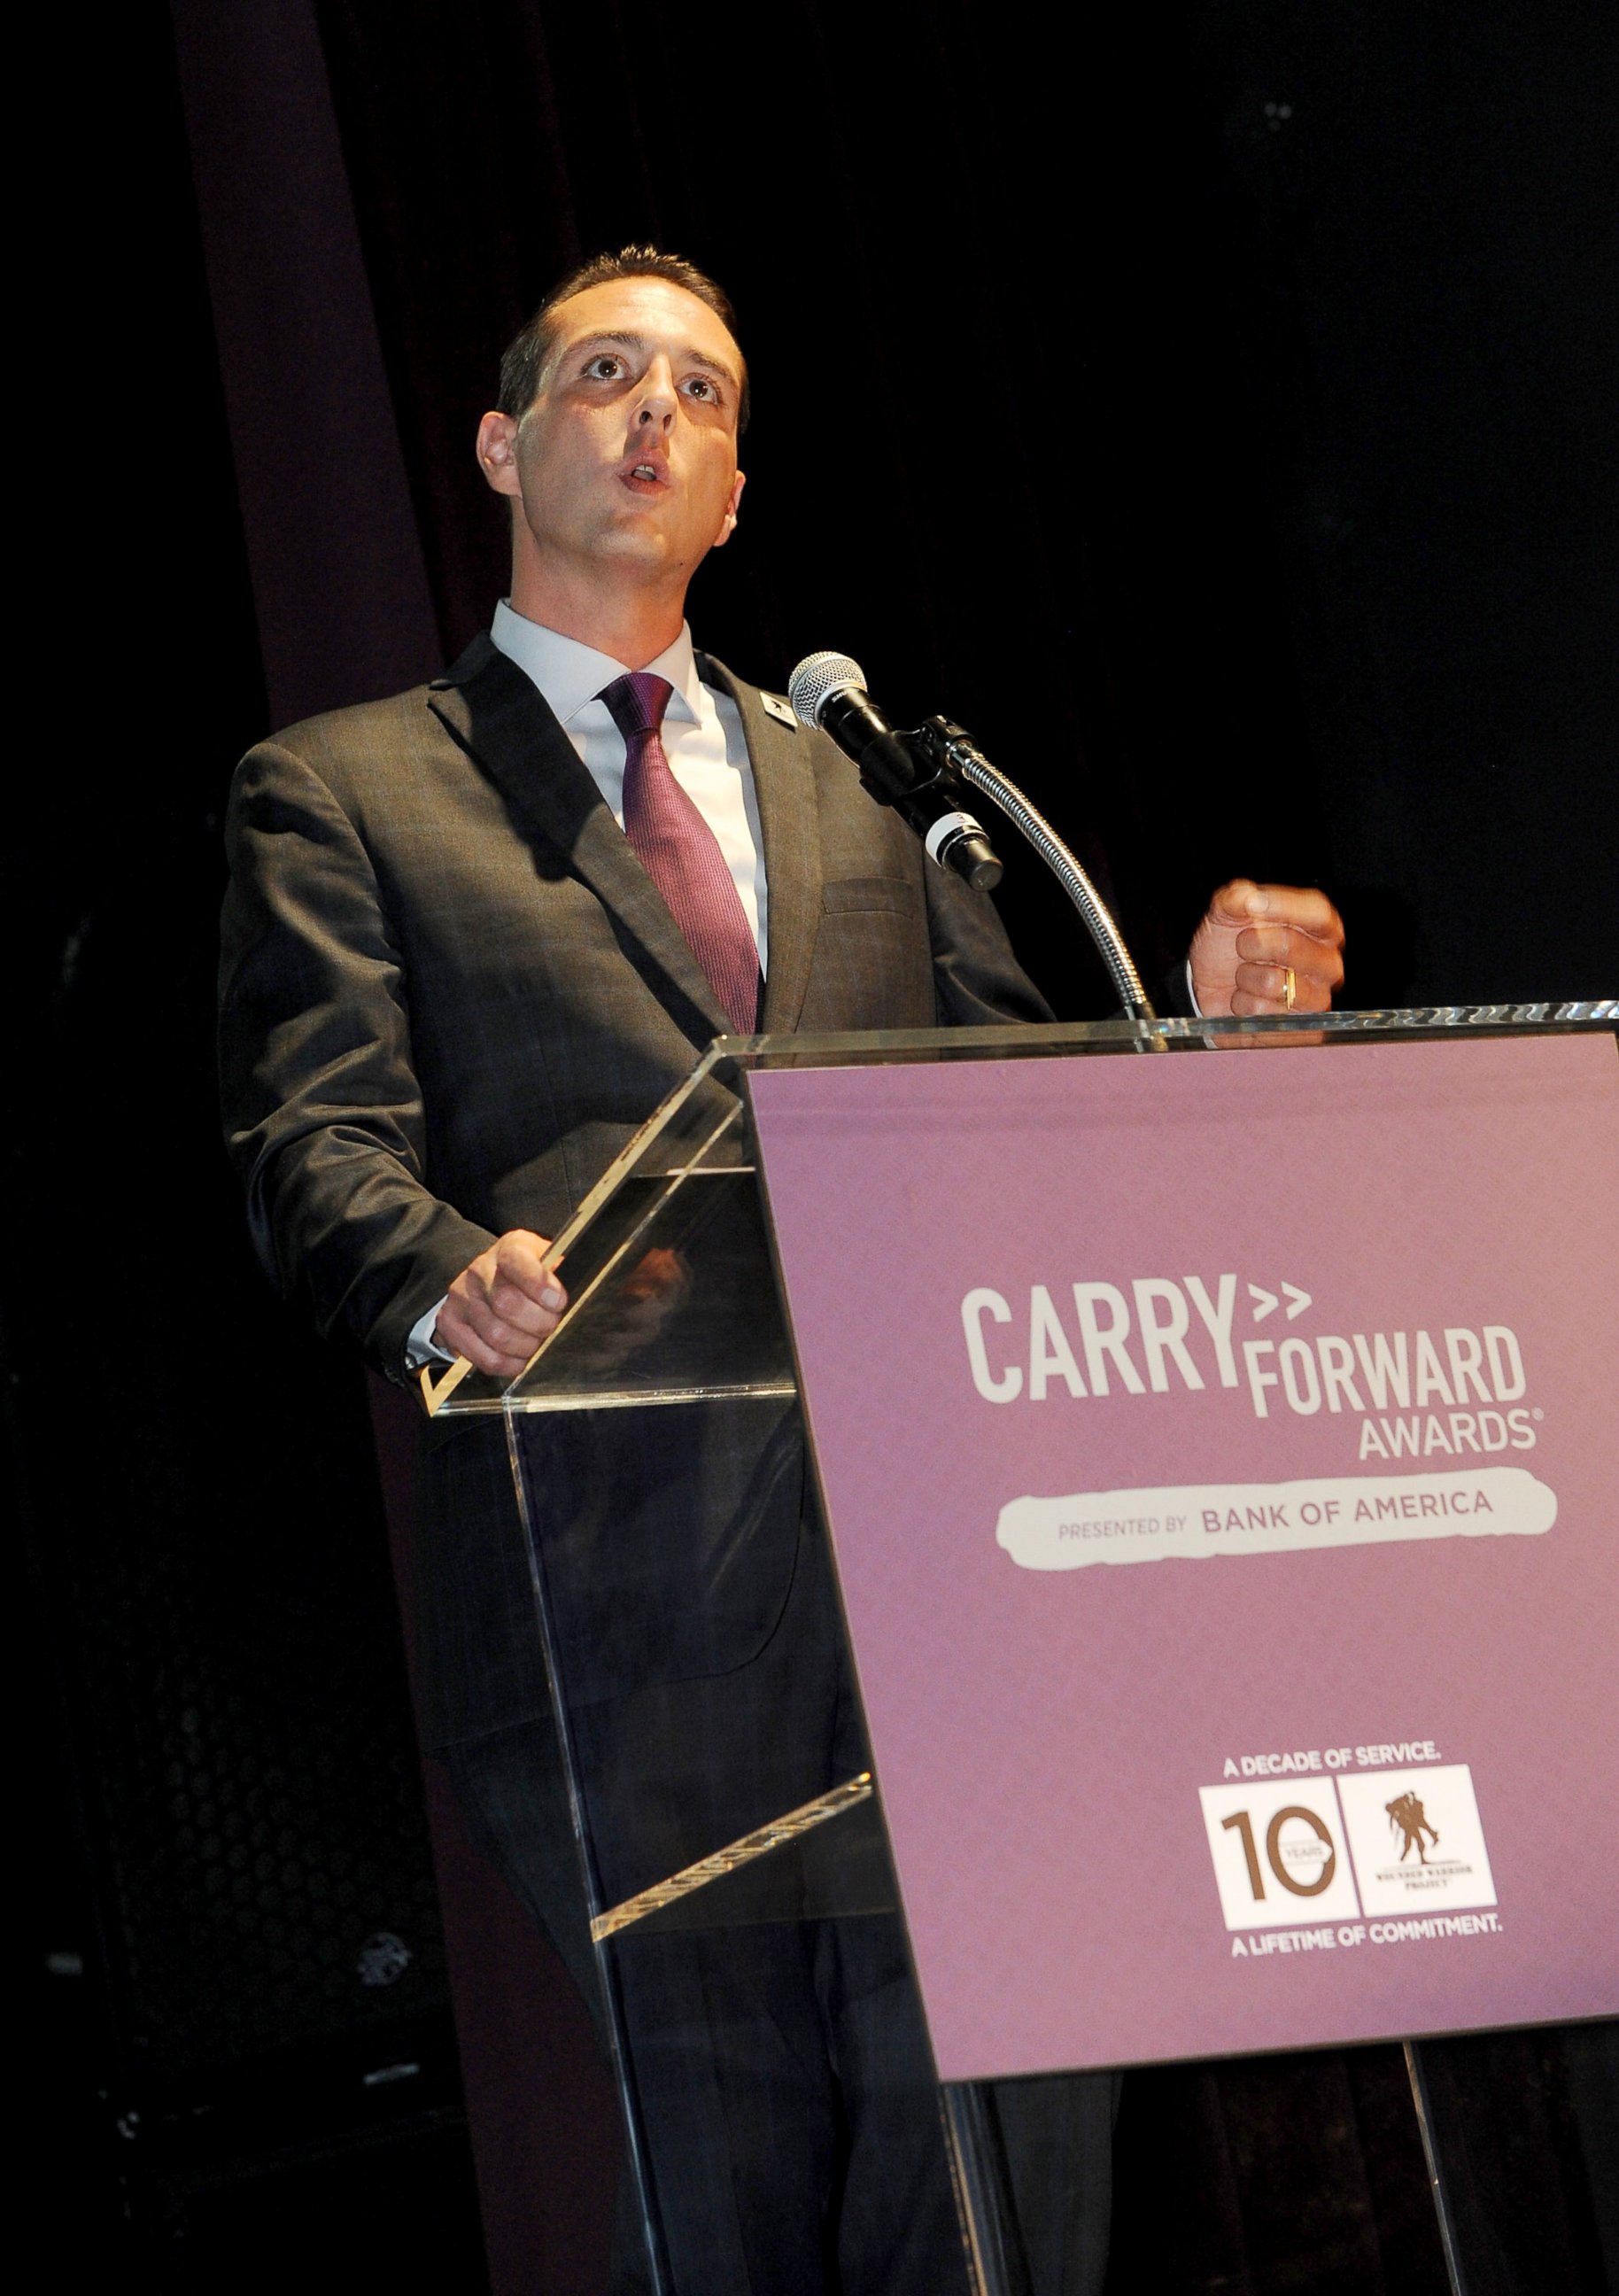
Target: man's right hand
499, 1309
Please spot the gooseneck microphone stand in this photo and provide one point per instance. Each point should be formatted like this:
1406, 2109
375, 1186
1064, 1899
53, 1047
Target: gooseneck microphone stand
923, 774
955, 754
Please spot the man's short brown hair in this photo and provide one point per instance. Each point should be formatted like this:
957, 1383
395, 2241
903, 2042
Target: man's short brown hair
526, 356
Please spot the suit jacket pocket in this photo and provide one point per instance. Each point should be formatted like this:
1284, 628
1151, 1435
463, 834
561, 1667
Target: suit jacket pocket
873, 963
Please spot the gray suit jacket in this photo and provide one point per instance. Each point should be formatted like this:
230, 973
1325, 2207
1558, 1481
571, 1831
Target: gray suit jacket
450, 992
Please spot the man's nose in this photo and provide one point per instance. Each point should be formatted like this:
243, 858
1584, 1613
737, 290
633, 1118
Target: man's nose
655, 402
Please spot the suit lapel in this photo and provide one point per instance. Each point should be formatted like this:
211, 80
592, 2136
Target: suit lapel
784, 782
493, 712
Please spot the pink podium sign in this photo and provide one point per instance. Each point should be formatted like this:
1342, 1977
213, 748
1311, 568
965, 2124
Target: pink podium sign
1222, 1467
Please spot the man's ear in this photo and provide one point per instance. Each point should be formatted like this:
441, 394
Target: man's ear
497, 453
727, 523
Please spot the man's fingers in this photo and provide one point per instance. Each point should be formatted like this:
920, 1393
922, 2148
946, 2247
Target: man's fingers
1230, 906
1303, 906
515, 1329
491, 1359
506, 1332
499, 1309
492, 1350
1263, 988
519, 1259
520, 1308
1284, 944
472, 1329
1242, 902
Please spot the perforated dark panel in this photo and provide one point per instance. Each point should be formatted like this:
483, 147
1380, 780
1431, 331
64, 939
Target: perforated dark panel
272, 1876
223, 1644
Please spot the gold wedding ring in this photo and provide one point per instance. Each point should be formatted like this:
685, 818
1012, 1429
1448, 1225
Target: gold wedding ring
1289, 992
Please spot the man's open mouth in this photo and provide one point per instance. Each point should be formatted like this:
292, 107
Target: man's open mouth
646, 471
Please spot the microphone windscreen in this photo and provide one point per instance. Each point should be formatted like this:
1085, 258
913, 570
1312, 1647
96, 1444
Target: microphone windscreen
818, 676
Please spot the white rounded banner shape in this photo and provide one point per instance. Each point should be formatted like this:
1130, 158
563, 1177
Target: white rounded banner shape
1190, 1520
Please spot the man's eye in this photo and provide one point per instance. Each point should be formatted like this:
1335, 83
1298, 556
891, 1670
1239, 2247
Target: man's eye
699, 387
605, 366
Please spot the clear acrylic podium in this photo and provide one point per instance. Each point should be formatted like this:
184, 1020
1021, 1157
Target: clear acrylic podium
720, 1785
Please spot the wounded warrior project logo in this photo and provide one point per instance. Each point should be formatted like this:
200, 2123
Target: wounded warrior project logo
1408, 1815
1452, 1397
1331, 1851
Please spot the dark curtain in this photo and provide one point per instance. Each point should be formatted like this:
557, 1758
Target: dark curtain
1206, 407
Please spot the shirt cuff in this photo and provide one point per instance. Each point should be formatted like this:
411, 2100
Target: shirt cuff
421, 1347
1191, 999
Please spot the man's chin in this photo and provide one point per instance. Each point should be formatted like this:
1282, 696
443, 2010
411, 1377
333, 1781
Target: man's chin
644, 542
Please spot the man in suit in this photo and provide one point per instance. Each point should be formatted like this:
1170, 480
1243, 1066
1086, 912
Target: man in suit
474, 935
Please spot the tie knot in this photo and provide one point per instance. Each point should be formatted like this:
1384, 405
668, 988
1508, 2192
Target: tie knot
637, 701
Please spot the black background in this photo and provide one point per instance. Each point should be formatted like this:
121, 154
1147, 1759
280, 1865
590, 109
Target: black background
1213, 408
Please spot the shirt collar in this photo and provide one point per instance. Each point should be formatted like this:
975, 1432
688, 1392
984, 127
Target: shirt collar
570, 673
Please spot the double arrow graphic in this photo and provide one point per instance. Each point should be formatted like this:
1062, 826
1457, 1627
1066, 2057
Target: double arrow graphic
1265, 1301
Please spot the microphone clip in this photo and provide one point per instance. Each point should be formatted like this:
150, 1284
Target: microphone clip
953, 837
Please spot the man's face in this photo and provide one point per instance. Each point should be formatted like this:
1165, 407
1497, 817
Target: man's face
628, 453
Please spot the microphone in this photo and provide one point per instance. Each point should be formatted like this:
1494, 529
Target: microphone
829, 689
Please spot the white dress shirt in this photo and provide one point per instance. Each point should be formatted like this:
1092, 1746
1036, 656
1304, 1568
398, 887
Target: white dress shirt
702, 739
707, 753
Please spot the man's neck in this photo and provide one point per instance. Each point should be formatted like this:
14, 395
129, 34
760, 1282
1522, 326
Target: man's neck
631, 623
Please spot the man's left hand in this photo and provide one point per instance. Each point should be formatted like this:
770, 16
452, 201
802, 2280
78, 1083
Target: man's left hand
1257, 939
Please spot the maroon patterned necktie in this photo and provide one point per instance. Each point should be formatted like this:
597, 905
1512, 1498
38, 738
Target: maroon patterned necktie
679, 851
